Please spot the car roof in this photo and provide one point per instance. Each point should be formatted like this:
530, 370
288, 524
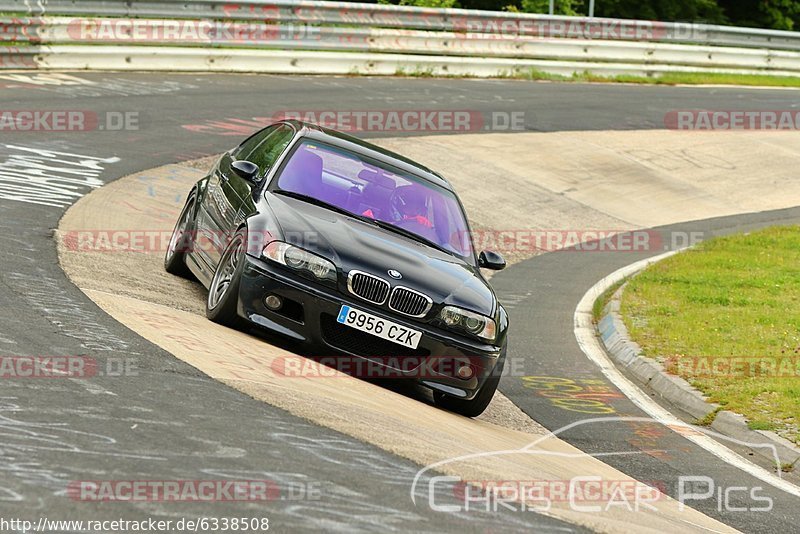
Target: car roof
364, 148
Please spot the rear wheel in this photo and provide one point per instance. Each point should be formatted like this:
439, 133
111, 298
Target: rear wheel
477, 405
180, 242
223, 295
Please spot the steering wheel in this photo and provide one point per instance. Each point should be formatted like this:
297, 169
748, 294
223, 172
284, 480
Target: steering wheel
399, 202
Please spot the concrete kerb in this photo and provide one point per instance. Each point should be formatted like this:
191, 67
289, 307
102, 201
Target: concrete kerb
627, 354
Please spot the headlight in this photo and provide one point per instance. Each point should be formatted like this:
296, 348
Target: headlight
473, 323
300, 260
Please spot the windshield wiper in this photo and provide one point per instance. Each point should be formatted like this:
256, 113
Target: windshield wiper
411, 235
321, 203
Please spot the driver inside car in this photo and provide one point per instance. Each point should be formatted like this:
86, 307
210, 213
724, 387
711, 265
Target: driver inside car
409, 205
409, 201
412, 208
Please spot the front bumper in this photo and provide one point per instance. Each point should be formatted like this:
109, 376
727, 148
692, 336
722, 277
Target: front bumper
310, 318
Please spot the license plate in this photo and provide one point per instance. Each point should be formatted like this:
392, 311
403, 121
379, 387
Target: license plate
366, 322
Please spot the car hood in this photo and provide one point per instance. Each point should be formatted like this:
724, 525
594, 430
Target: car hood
354, 244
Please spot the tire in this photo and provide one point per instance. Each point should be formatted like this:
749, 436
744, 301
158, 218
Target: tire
180, 242
477, 405
223, 293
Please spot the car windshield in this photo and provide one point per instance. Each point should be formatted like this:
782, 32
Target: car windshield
370, 190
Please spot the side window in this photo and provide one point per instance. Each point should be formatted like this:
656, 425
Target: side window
249, 145
266, 150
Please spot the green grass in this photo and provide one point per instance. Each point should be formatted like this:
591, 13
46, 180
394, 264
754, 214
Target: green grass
760, 425
416, 72
736, 296
599, 305
682, 78
708, 419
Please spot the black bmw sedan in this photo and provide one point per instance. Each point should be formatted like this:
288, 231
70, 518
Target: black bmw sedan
353, 250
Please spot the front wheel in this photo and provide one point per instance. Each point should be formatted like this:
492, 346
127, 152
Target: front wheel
477, 405
180, 242
223, 295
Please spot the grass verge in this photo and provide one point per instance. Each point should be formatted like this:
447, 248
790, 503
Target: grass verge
726, 317
600, 304
677, 78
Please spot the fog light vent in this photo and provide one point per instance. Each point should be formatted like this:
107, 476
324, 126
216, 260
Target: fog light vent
465, 372
273, 302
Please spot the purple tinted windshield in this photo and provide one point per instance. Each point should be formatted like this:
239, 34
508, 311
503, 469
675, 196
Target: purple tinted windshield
342, 179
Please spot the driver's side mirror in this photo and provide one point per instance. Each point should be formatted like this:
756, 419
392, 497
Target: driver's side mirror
245, 170
491, 260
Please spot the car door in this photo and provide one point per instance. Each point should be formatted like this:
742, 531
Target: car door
220, 206
229, 198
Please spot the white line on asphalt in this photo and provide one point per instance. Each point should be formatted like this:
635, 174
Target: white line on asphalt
590, 345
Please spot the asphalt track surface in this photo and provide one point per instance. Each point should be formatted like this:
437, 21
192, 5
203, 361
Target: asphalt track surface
172, 423
561, 387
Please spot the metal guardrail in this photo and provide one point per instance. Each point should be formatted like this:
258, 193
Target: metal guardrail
105, 31
16, 58
406, 17
409, 39
157, 58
